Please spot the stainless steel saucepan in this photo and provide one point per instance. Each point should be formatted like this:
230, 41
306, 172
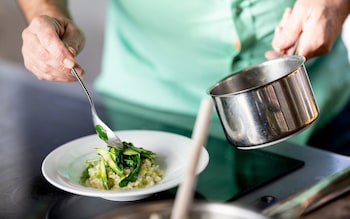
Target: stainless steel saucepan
266, 103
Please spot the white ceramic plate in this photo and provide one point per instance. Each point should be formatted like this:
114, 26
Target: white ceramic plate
63, 166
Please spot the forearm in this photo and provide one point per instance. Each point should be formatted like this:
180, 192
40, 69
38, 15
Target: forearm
34, 8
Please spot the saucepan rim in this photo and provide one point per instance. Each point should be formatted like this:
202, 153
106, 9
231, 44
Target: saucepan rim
300, 63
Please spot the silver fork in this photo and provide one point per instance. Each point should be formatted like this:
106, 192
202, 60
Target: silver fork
111, 138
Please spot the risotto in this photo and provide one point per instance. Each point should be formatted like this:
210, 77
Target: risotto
122, 169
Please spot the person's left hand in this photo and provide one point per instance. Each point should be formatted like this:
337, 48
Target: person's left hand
312, 25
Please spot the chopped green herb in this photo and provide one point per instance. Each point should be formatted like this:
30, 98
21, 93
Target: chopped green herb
132, 177
101, 132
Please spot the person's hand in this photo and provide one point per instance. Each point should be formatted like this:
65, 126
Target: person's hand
312, 26
50, 46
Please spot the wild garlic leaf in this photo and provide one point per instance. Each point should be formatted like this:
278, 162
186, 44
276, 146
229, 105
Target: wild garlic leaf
101, 132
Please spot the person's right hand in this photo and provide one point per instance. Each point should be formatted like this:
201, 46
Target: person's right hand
311, 25
50, 46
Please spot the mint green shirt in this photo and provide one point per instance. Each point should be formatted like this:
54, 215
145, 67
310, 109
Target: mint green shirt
161, 58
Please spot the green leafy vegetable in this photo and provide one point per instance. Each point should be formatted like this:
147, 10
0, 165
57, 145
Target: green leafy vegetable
85, 175
117, 160
132, 177
118, 156
143, 152
101, 132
